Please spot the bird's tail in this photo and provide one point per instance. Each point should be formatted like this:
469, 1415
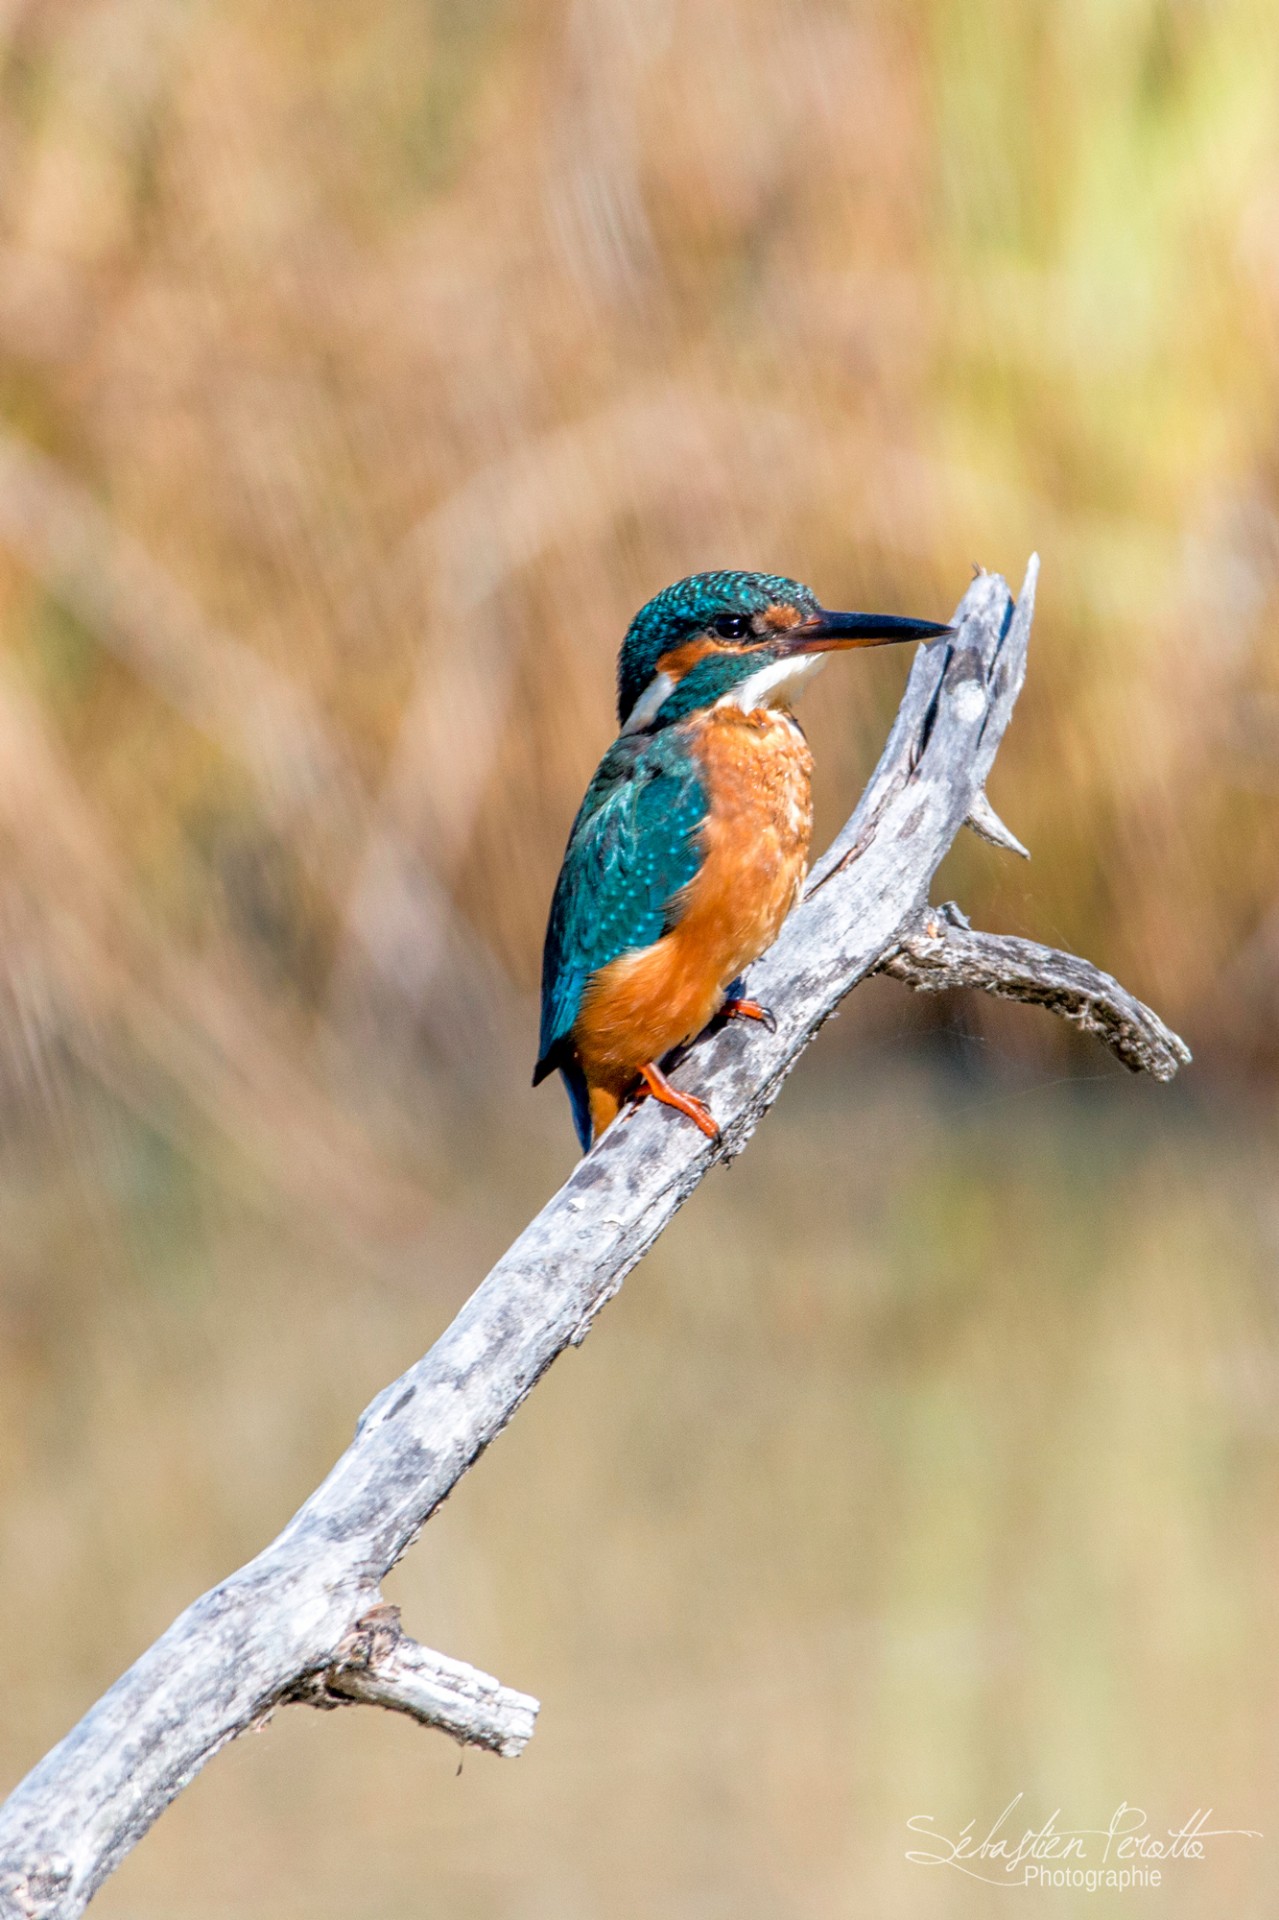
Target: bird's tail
579, 1098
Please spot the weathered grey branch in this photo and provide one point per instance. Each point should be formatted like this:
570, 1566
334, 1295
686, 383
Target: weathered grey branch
377, 1664
941, 950
300, 1621
987, 825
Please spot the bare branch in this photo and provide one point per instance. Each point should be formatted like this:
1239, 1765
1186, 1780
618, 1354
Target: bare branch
941, 950
987, 825
282, 1627
377, 1664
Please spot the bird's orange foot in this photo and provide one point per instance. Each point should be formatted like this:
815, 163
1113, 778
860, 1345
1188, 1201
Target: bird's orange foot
656, 1083
739, 1009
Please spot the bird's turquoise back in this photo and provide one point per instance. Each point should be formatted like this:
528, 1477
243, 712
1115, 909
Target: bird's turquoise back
634, 845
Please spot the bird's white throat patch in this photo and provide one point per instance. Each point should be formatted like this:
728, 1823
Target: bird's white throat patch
650, 703
775, 685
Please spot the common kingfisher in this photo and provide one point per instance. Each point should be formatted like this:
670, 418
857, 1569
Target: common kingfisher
691, 845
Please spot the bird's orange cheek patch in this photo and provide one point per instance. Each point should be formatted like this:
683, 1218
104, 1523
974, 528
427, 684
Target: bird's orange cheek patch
780, 617
681, 660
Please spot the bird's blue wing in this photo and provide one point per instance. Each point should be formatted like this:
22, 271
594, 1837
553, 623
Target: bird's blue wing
633, 846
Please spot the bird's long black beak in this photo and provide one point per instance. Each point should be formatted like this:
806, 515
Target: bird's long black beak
824, 632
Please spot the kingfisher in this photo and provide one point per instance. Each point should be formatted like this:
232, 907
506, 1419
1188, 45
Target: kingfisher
691, 845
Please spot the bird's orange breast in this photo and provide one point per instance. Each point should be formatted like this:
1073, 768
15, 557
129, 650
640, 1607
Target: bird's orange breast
758, 773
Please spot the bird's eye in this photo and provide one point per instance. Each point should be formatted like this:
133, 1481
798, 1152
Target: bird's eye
732, 626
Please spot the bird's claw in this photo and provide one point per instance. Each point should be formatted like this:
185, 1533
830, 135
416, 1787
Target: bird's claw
742, 1009
654, 1081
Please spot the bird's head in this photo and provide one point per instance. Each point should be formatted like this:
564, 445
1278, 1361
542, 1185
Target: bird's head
746, 638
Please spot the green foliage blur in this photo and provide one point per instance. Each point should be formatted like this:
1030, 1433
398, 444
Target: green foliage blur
361, 371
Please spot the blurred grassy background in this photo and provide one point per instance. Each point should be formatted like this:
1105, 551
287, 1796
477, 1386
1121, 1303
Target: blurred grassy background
360, 373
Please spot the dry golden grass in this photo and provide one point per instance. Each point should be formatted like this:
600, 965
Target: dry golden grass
362, 373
